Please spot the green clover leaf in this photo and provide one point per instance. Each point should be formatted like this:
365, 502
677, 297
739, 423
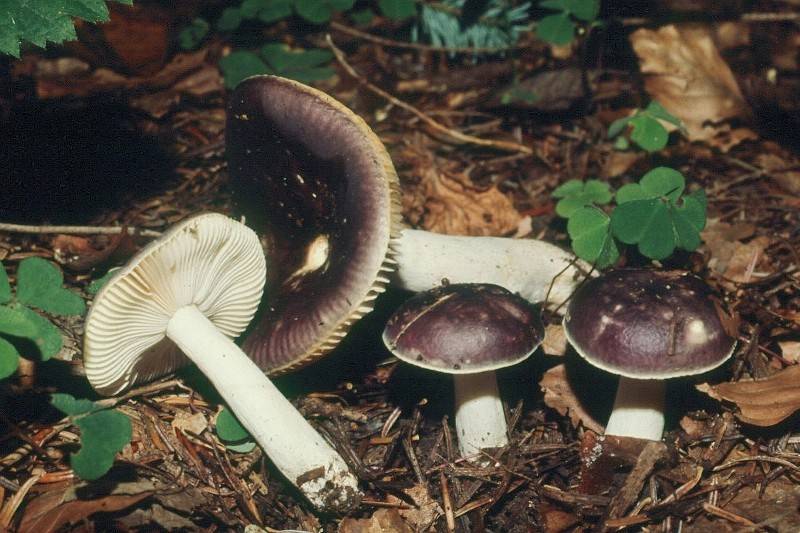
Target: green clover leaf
5, 286
39, 285
588, 227
47, 338
104, 432
397, 9
9, 359
231, 432
646, 128
275, 58
575, 194
556, 29
321, 11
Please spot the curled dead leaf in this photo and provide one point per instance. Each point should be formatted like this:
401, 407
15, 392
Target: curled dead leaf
381, 521
558, 395
687, 75
764, 402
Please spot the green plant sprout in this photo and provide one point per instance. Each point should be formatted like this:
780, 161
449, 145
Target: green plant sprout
104, 432
646, 129
559, 28
39, 285
41, 21
232, 434
653, 214
275, 58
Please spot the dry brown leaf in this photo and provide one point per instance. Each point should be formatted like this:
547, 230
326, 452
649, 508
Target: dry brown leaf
381, 521
446, 201
745, 260
558, 395
785, 174
424, 513
618, 162
194, 424
765, 402
728, 255
790, 350
687, 75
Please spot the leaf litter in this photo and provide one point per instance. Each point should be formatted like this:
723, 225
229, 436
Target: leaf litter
718, 469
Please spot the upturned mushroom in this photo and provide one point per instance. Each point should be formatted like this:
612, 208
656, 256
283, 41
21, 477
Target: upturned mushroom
186, 295
470, 331
648, 326
318, 184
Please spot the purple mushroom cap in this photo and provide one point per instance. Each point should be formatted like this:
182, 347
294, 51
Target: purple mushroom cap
464, 328
647, 324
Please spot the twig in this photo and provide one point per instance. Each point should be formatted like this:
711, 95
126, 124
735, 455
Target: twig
450, 518
453, 134
764, 458
78, 230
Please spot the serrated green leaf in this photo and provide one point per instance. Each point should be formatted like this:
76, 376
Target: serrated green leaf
193, 34
230, 19
648, 133
588, 227
397, 9
588, 193
617, 126
229, 429
5, 286
239, 65
9, 359
43, 21
103, 435
585, 10
48, 337
656, 110
556, 29
70, 406
15, 323
39, 285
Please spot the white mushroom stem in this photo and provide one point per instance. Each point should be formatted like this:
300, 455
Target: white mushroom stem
480, 418
638, 409
523, 266
295, 448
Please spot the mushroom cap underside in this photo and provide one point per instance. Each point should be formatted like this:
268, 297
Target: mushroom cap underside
210, 261
318, 184
648, 324
464, 328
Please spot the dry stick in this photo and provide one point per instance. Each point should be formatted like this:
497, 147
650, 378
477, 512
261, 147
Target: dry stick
78, 230
454, 134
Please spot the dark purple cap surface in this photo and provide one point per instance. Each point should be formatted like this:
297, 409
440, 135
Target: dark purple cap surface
318, 184
464, 328
649, 324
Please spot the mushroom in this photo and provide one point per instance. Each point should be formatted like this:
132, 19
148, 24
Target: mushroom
468, 330
648, 326
318, 184
186, 295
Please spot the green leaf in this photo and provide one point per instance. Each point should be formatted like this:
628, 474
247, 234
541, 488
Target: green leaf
239, 65
397, 9
656, 110
646, 223
43, 21
103, 435
48, 337
275, 10
15, 323
556, 29
659, 182
193, 34
630, 192
301, 65
9, 359
556, 5
320, 11
575, 194
617, 126
229, 429
648, 133
5, 286
230, 19
519, 93
71, 406
104, 432
362, 17
585, 10
39, 285
244, 447
621, 143
97, 284
690, 219
588, 227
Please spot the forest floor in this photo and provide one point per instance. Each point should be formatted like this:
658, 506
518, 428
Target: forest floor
102, 143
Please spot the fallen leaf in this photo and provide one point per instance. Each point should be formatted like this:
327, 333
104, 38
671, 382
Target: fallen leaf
764, 402
686, 74
785, 173
51, 511
790, 350
746, 259
381, 521
548, 90
193, 424
446, 200
558, 395
619, 162
728, 256
425, 511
